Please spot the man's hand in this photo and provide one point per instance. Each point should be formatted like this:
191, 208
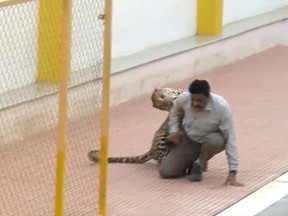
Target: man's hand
231, 179
174, 137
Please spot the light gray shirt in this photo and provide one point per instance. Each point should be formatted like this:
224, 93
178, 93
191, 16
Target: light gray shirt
216, 117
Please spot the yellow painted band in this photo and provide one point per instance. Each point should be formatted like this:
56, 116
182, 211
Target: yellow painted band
59, 191
49, 36
209, 17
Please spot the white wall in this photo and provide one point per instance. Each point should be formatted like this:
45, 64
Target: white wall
235, 10
139, 25
87, 33
18, 53
18, 41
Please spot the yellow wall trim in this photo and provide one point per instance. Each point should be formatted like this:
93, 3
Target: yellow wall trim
49, 36
209, 17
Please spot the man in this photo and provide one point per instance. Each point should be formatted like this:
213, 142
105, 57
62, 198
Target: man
207, 130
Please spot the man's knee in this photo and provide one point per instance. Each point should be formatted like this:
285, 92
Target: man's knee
166, 172
215, 140
214, 144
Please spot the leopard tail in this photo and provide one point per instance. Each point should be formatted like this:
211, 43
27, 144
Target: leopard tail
94, 157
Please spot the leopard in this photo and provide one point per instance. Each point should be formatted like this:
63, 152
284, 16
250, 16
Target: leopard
162, 99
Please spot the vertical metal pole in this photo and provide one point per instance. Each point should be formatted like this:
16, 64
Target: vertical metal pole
105, 110
63, 88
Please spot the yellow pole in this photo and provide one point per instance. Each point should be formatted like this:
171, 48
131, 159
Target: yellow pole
105, 110
64, 77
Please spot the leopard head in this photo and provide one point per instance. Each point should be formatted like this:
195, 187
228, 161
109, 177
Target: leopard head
162, 98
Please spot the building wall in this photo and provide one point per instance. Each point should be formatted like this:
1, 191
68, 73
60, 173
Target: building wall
235, 10
137, 25
18, 52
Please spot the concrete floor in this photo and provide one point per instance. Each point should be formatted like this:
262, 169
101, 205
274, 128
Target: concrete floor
280, 208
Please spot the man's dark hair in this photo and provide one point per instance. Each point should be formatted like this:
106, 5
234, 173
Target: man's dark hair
200, 87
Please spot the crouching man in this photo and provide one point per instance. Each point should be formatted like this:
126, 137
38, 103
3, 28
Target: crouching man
207, 130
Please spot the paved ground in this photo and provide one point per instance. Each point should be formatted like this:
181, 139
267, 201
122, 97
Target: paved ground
257, 91
264, 200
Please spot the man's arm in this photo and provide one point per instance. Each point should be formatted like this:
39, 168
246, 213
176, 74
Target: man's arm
227, 128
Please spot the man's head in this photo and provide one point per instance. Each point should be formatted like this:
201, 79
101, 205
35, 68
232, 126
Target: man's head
200, 94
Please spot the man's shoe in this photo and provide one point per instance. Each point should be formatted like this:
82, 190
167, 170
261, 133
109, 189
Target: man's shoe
196, 173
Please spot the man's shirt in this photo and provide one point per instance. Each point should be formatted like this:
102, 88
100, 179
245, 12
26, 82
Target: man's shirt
216, 117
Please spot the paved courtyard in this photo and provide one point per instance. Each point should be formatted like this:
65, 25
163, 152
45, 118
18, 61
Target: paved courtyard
257, 90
